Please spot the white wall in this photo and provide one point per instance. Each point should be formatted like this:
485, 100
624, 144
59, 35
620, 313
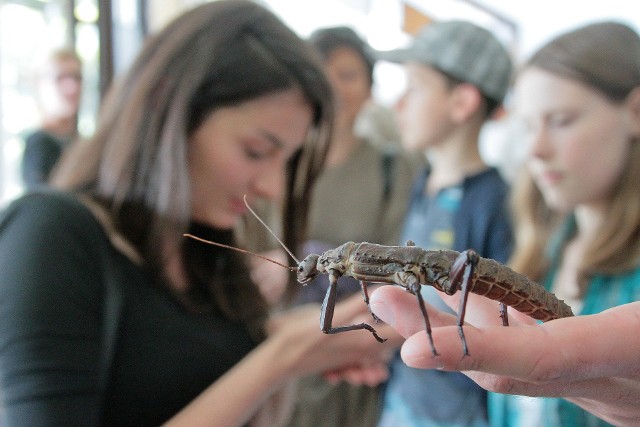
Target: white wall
542, 20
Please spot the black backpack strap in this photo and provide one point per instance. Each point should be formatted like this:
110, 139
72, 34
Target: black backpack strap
113, 303
113, 293
388, 157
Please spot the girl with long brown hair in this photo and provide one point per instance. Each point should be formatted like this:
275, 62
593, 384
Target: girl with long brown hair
225, 102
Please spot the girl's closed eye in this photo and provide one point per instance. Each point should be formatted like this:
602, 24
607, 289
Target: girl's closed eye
258, 150
559, 120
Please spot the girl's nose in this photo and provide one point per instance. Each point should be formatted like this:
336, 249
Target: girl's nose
540, 144
270, 184
399, 104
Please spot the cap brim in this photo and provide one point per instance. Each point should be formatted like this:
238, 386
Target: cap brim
395, 55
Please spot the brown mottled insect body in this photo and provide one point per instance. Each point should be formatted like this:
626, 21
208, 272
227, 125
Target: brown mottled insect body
411, 267
370, 262
502, 284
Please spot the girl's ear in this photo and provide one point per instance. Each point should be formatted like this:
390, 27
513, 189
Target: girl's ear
633, 107
466, 100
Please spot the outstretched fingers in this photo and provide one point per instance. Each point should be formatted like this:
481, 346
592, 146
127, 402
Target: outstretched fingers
569, 349
398, 308
590, 360
489, 348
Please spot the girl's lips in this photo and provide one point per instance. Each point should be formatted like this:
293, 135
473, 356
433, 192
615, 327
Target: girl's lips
238, 206
550, 177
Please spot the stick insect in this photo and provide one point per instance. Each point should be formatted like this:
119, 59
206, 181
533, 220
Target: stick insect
411, 267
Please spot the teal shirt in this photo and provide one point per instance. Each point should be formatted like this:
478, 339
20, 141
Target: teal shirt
603, 292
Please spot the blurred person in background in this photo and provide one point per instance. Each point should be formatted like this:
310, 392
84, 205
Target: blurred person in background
576, 204
360, 196
57, 84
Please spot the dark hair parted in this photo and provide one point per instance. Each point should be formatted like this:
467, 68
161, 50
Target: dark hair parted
327, 40
216, 55
605, 57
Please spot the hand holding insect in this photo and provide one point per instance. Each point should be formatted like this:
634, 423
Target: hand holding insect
270, 279
355, 358
590, 360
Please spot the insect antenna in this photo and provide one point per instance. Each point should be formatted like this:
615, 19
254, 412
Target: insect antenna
270, 231
222, 245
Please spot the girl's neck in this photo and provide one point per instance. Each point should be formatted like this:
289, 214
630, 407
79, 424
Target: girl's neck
566, 284
63, 127
589, 218
343, 144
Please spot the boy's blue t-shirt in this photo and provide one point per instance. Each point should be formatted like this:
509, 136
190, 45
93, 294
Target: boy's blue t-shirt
425, 398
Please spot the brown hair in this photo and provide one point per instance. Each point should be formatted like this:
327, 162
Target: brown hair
43, 63
592, 55
218, 54
328, 40
42, 66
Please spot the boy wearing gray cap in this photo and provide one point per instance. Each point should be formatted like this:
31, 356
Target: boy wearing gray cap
457, 75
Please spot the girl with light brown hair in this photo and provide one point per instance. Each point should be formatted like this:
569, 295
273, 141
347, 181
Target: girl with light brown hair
578, 233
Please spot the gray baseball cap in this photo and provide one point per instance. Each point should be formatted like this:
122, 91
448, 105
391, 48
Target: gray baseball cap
463, 50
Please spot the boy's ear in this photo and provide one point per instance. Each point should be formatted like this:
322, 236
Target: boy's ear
467, 99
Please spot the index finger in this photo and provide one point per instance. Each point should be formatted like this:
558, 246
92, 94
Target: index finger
574, 348
401, 310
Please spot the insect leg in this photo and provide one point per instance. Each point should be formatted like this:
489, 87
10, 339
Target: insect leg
365, 295
461, 275
328, 306
503, 314
414, 287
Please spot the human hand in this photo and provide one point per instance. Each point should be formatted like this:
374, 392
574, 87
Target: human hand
590, 360
270, 278
354, 356
370, 373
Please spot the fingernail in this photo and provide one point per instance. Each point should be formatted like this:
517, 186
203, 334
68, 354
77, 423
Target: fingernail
415, 356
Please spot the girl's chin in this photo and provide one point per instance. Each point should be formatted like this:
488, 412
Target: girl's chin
226, 225
558, 203
221, 222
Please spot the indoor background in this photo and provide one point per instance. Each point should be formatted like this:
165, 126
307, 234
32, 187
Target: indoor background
108, 33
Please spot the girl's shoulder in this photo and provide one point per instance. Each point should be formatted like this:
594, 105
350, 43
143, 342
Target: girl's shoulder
609, 290
67, 217
48, 203
52, 216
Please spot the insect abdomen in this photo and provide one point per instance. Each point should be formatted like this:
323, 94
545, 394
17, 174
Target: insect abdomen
504, 285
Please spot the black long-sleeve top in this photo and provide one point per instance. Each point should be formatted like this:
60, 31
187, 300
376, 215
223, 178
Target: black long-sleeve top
52, 275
